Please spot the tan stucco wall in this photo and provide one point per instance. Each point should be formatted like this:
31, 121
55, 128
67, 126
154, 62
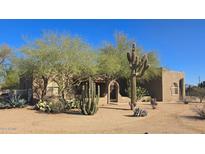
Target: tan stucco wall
168, 78
154, 87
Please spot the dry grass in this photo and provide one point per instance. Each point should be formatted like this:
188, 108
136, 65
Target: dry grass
167, 118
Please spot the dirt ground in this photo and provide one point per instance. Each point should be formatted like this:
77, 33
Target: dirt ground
111, 119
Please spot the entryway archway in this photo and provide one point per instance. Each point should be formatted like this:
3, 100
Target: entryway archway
113, 91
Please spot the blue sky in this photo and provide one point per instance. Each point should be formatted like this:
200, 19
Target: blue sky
180, 44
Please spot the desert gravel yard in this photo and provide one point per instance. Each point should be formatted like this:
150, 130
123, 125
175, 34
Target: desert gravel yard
167, 118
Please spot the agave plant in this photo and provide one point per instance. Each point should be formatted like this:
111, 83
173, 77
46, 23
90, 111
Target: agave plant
4, 104
12, 101
16, 101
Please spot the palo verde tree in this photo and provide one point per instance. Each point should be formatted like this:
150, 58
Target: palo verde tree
76, 60
5, 52
58, 58
11, 78
112, 59
39, 58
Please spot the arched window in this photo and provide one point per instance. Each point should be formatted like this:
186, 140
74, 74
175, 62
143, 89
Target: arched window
174, 89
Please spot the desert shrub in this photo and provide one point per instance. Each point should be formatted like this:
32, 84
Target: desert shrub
140, 92
197, 92
140, 112
50, 107
200, 111
70, 104
56, 106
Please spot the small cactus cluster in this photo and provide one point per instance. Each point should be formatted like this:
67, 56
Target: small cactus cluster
140, 112
89, 98
138, 67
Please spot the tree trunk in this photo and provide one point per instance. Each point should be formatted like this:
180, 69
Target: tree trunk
63, 94
45, 84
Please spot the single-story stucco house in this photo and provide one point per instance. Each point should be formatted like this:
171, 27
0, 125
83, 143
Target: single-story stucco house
168, 86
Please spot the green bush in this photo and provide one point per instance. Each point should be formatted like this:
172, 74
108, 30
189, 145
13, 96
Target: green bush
57, 107
140, 92
49, 107
71, 104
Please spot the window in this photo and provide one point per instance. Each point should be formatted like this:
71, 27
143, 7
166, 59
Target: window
52, 91
174, 89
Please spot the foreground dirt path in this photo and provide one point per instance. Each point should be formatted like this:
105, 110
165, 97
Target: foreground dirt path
167, 118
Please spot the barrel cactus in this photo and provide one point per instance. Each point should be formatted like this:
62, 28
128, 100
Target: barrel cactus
89, 98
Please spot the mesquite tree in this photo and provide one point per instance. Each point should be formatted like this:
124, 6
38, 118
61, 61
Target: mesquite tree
138, 67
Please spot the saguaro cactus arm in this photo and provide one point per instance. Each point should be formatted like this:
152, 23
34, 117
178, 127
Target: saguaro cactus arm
142, 66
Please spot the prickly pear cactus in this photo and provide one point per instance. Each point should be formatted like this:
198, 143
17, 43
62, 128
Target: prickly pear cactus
138, 67
89, 98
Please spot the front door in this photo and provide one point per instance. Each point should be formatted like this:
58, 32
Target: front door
113, 93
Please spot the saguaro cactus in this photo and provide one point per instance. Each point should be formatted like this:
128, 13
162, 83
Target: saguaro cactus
138, 67
89, 98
